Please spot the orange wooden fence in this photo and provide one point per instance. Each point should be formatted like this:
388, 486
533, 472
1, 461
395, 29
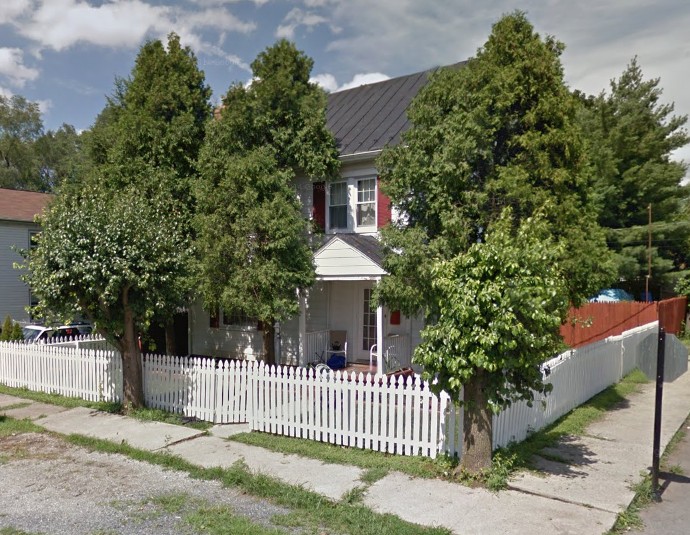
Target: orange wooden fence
596, 321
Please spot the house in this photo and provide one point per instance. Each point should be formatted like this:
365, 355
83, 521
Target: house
18, 210
350, 211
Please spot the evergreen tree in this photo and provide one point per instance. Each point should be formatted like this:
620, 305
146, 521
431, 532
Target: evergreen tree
632, 135
116, 248
252, 239
499, 132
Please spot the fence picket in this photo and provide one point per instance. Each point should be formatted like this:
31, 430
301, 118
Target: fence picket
395, 415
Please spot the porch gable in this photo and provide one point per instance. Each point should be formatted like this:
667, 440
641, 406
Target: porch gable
343, 257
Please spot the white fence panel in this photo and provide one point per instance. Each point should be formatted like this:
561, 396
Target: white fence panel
394, 415
88, 374
400, 415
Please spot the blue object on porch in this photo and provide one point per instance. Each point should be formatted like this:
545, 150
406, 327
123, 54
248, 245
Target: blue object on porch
337, 362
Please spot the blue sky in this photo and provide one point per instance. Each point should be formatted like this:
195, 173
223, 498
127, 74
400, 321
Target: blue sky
65, 54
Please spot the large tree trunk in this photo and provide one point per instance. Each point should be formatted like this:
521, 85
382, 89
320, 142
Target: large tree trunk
269, 343
477, 427
170, 345
131, 361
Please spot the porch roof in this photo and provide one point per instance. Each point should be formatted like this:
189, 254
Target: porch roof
349, 257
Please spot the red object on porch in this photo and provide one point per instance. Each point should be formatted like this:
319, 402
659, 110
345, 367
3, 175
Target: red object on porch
596, 321
384, 206
395, 317
318, 210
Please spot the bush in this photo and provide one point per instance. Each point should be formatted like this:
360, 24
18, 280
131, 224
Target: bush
11, 331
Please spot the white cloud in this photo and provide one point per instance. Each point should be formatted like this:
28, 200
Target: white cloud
12, 67
296, 18
363, 79
326, 81
12, 9
4, 92
330, 84
60, 24
44, 105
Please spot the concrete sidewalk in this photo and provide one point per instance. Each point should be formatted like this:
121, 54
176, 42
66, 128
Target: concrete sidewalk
581, 497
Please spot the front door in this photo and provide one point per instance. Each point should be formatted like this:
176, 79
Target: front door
368, 322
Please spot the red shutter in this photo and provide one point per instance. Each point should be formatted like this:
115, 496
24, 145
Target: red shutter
384, 206
318, 207
395, 317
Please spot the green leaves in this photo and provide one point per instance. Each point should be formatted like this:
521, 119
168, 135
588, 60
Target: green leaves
631, 137
252, 238
499, 309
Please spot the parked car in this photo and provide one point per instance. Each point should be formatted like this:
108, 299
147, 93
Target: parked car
41, 333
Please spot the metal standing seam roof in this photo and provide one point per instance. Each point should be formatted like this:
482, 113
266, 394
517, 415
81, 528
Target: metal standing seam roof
17, 205
369, 117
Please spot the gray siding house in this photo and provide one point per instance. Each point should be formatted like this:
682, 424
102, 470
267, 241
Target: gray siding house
17, 212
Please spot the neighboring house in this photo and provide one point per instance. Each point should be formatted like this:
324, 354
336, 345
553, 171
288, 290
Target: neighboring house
350, 210
17, 212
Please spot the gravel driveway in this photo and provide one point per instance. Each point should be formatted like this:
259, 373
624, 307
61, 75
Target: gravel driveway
50, 486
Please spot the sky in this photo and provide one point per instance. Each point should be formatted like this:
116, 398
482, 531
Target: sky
66, 54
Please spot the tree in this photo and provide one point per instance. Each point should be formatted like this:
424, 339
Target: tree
632, 136
116, 247
10, 331
157, 118
500, 308
20, 127
499, 132
112, 256
254, 253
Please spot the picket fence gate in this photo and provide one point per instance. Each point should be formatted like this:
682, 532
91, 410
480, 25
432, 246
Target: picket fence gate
398, 415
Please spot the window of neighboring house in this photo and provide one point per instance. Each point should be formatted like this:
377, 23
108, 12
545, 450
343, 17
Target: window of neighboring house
366, 202
337, 205
237, 318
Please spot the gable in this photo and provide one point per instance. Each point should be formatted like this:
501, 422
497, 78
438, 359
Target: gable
341, 258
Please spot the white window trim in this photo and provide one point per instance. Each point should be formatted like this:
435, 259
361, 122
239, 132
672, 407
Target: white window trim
351, 180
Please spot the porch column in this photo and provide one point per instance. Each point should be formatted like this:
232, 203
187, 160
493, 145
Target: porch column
379, 340
301, 295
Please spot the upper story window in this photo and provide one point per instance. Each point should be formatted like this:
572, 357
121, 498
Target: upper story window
337, 205
366, 202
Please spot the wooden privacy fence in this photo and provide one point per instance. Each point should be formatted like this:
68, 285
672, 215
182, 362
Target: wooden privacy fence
398, 415
596, 321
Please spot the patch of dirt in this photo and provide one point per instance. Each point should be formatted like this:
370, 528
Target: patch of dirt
53, 487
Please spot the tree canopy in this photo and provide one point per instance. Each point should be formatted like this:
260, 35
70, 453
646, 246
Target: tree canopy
117, 247
499, 132
632, 135
253, 247
30, 158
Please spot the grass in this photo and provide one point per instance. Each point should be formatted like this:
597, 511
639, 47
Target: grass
10, 426
15, 531
376, 464
111, 407
158, 415
575, 422
62, 401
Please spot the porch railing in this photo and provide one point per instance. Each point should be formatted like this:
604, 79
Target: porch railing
315, 346
398, 350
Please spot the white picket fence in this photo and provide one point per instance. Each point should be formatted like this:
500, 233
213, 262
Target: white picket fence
93, 375
397, 415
